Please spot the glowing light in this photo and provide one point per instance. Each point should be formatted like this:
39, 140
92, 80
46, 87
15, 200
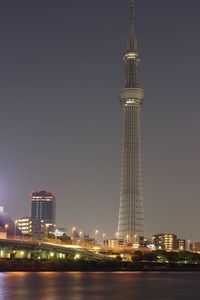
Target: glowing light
131, 55
127, 238
77, 256
96, 233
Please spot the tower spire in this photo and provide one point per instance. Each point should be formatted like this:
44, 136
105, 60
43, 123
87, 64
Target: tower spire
132, 18
132, 41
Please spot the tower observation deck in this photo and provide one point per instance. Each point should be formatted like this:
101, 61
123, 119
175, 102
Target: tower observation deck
131, 216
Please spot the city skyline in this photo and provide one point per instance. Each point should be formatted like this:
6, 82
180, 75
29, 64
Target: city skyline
60, 65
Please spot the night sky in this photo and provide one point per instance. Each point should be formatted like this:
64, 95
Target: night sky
61, 69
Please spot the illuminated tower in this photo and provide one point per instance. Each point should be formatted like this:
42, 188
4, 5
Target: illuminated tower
131, 217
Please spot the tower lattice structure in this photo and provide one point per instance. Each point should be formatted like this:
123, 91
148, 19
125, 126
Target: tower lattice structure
131, 215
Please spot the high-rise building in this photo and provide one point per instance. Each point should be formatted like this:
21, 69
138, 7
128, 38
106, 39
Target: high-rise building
43, 206
131, 216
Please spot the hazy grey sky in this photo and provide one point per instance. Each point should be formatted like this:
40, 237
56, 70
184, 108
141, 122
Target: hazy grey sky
61, 120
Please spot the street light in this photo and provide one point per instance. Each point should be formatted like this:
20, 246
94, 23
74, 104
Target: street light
127, 238
96, 233
117, 235
135, 238
73, 230
103, 235
6, 229
15, 234
46, 227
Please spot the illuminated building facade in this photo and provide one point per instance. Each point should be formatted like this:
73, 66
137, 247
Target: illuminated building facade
114, 243
196, 246
43, 206
165, 241
181, 244
25, 225
131, 216
31, 227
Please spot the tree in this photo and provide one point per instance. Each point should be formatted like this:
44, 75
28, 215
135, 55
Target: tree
51, 236
138, 256
65, 238
118, 258
150, 256
172, 257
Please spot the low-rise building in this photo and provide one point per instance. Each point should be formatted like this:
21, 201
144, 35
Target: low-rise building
3, 235
114, 243
30, 227
196, 246
25, 225
181, 244
165, 241
87, 240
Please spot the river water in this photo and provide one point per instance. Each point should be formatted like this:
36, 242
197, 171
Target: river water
99, 286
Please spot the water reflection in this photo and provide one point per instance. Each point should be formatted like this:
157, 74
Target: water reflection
97, 286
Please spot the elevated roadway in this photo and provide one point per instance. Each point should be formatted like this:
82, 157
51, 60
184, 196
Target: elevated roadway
34, 246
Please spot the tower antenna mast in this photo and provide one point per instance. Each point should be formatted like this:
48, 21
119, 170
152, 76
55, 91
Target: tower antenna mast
132, 41
132, 18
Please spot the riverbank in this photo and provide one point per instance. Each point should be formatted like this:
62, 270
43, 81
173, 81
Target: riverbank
27, 265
